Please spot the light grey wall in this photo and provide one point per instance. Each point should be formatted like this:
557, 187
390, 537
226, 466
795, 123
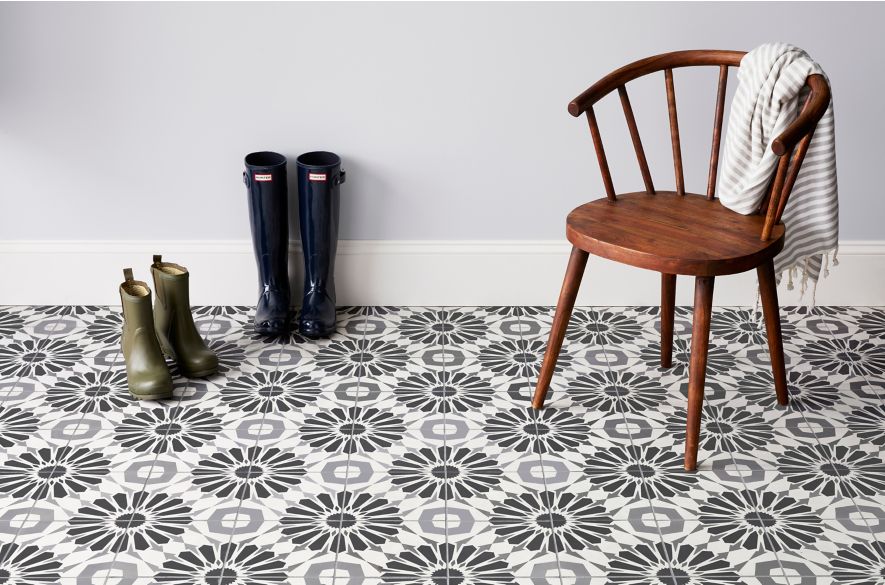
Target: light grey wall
130, 120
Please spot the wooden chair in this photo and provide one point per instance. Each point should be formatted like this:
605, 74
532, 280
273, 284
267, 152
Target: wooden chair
674, 232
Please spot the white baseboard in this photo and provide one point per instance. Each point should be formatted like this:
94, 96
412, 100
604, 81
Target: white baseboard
399, 272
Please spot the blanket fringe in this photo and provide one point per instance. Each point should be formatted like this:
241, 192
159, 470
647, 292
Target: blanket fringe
756, 311
829, 258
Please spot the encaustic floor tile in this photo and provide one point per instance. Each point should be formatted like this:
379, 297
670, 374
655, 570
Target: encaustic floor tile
404, 449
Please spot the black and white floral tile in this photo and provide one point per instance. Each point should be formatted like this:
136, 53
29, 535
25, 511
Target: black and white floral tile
403, 451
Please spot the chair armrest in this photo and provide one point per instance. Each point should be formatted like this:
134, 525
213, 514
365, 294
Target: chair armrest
811, 113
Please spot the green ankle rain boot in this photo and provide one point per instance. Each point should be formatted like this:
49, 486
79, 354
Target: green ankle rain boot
174, 323
146, 370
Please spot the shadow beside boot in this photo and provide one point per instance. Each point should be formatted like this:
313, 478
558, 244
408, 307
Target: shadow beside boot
174, 323
146, 372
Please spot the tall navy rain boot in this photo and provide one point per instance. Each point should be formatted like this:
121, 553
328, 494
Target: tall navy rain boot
265, 178
319, 194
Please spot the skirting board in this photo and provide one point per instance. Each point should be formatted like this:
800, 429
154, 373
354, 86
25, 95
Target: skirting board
397, 272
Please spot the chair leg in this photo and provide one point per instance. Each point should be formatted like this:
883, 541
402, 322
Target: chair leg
576, 264
697, 369
768, 292
668, 312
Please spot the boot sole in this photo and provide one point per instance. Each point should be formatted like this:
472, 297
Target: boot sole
315, 334
167, 351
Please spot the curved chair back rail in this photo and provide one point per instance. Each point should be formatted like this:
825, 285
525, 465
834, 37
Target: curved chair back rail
643, 67
799, 132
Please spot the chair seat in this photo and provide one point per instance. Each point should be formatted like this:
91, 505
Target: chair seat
673, 234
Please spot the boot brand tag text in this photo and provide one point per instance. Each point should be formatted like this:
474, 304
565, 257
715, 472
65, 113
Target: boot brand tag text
316, 176
263, 177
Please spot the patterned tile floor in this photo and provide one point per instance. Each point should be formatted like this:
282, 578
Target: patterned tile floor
402, 450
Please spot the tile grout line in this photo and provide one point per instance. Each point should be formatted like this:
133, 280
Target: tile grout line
760, 323
144, 484
55, 465
101, 381
731, 455
621, 407
366, 311
811, 312
282, 341
45, 338
447, 493
787, 410
817, 440
880, 391
535, 415
363, 338
731, 452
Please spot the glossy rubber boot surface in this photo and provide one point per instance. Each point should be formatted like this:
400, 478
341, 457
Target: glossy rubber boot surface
174, 323
265, 179
319, 194
146, 372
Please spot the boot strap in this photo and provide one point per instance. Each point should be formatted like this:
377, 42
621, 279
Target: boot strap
158, 258
127, 274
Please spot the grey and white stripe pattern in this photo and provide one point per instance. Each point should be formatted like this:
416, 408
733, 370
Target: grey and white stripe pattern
769, 96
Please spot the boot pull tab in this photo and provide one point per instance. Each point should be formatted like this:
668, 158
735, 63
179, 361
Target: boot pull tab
342, 176
127, 274
159, 287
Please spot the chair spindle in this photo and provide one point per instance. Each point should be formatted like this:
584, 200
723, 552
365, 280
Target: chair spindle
776, 189
637, 142
795, 166
674, 132
776, 200
717, 131
600, 155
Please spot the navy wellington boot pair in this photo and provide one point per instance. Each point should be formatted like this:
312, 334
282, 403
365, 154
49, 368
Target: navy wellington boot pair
319, 193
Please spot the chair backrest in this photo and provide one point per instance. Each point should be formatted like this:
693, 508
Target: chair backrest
799, 132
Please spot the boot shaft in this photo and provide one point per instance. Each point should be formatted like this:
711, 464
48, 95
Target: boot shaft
266, 180
135, 298
174, 323
171, 284
146, 373
172, 307
319, 195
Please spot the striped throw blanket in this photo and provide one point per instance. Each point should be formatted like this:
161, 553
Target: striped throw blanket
769, 96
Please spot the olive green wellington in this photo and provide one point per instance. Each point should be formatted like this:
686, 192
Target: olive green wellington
174, 323
146, 370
